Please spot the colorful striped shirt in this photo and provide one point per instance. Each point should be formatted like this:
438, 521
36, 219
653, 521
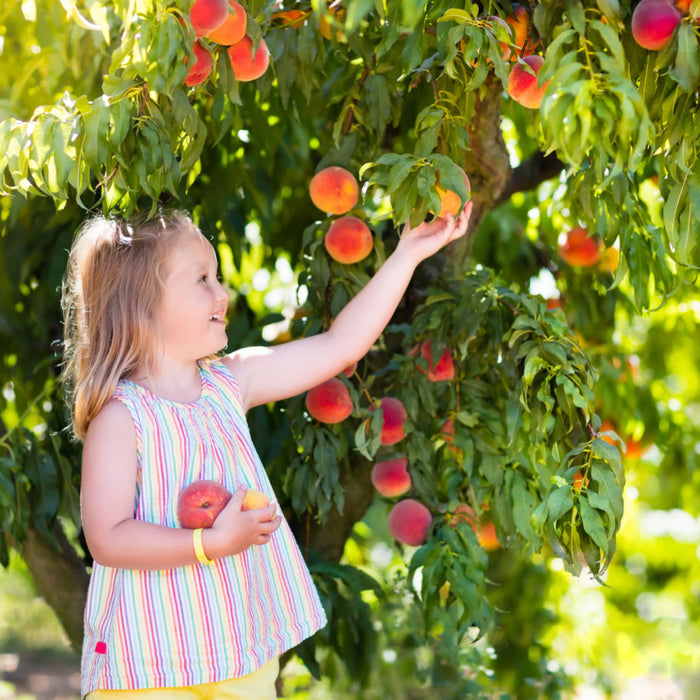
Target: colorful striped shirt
195, 624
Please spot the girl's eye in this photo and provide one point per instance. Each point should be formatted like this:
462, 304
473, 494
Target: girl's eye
203, 278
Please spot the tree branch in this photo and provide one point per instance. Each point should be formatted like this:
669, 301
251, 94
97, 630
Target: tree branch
529, 174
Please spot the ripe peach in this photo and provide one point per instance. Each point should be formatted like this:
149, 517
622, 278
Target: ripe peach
449, 200
334, 190
207, 15
290, 18
391, 477
329, 402
654, 22
201, 67
487, 536
683, 6
348, 240
443, 369
409, 521
233, 28
609, 259
523, 86
579, 249
245, 65
254, 499
394, 415
519, 23
200, 503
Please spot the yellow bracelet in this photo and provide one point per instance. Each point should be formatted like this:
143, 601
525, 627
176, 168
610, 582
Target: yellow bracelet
198, 548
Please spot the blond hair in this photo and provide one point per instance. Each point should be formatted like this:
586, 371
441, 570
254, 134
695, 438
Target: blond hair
111, 292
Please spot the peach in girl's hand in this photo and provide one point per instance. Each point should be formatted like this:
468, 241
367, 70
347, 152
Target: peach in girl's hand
254, 499
201, 502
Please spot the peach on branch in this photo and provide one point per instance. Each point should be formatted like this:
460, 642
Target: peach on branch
207, 15
334, 190
200, 503
233, 28
329, 402
200, 69
348, 240
440, 370
450, 202
290, 18
409, 521
519, 23
609, 259
391, 478
579, 249
247, 66
393, 417
523, 85
654, 22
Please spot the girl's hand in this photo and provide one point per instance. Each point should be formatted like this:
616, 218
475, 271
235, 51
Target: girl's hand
428, 237
234, 530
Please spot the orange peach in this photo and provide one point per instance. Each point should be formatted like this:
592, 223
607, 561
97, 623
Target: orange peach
254, 499
519, 23
579, 249
201, 67
348, 240
523, 86
394, 415
442, 369
449, 200
329, 402
290, 18
334, 190
609, 259
683, 6
409, 522
654, 22
245, 65
233, 28
391, 477
207, 15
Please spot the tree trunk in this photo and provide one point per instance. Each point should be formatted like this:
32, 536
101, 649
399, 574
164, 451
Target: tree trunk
61, 578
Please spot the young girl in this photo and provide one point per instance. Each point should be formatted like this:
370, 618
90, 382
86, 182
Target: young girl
173, 612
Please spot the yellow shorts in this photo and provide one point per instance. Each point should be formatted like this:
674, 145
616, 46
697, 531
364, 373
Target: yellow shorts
259, 685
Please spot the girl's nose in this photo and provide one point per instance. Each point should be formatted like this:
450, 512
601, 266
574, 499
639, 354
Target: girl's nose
222, 293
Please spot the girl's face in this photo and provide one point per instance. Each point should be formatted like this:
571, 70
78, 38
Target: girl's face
192, 320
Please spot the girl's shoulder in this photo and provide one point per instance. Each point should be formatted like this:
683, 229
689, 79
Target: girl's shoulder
221, 371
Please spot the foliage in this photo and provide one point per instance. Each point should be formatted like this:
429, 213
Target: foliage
98, 116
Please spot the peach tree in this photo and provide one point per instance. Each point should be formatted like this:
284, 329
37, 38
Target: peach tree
522, 392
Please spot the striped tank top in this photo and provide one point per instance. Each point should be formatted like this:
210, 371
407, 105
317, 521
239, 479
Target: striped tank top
195, 624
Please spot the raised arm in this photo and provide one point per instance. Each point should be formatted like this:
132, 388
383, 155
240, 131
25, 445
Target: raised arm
268, 374
108, 492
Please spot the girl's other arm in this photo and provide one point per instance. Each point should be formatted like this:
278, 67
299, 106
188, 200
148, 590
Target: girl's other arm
108, 492
267, 374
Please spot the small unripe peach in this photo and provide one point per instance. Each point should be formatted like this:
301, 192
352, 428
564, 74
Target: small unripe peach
391, 477
245, 65
523, 86
653, 23
207, 15
329, 402
334, 190
348, 240
409, 522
